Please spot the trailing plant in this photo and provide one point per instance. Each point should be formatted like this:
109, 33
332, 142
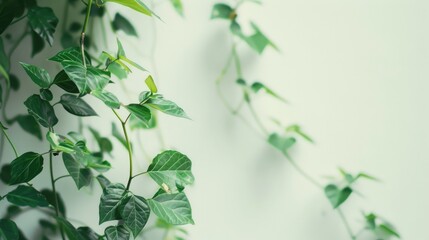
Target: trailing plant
84, 76
338, 191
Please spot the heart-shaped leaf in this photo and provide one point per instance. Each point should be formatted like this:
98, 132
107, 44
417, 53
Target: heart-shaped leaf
117, 233
43, 21
337, 196
135, 211
110, 201
39, 75
27, 196
173, 208
41, 110
81, 175
25, 167
77, 106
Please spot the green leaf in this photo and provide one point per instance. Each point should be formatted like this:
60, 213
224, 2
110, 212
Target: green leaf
37, 42
258, 41
135, 212
110, 201
136, 5
49, 195
43, 21
257, 87
130, 62
85, 78
76, 106
81, 175
281, 143
104, 144
5, 174
8, 11
87, 233
370, 221
13, 211
117, 233
297, 129
389, 230
116, 69
8, 230
69, 229
67, 40
222, 11
108, 98
39, 75
41, 110
48, 225
121, 23
151, 84
27, 196
173, 208
171, 168
177, 4
136, 123
141, 112
71, 54
30, 125
166, 106
14, 82
75, 27
337, 196
46, 94
63, 81
26, 167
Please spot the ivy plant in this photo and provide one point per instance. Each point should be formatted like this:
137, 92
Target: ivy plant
82, 77
338, 191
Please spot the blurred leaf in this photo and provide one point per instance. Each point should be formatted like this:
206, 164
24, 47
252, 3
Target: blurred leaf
257, 86
38, 43
67, 40
63, 81
30, 125
14, 82
4, 61
281, 143
121, 23
69, 229
118, 135
136, 5
25, 167
76, 106
87, 233
173, 208
8, 230
223, 11
104, 182
39, 75
43, 21
297, 129
75, 27
51, 199
178, 6
81, 175
337, 196
27, 196
41, 110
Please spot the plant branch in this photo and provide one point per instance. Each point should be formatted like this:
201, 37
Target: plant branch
346, 224
85, 24
130, 154
142, 173
58, 178
51, 171
10, 142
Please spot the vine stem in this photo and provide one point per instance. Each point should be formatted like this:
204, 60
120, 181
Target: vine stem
10, 142
346, 224
85, 24
51, 171
130, 154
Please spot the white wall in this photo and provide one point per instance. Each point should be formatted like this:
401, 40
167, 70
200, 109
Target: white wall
355, 75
